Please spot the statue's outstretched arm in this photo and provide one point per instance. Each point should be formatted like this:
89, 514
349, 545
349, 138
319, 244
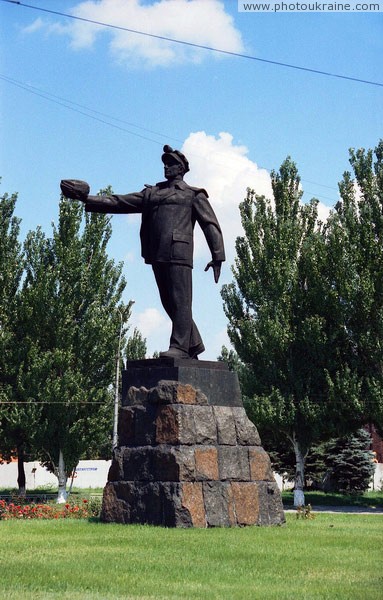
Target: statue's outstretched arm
76, 189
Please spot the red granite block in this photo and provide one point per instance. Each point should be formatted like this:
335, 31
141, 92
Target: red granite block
175, 425
167, 426
246, 502
206, 463
192, 500
260, 465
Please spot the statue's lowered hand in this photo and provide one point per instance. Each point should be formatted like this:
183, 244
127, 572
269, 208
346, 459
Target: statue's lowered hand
216, 266
75, 189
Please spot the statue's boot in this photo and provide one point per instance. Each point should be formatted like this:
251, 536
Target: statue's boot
195, 350
174, 353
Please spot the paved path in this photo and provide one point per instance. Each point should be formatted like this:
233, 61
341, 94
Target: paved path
361, 510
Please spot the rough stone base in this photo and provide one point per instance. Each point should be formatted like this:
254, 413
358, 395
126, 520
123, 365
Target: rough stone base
193, 504
185, 463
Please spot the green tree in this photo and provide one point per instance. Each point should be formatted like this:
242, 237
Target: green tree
355, 268
11, 269
15, 418
350, 463
136, 346
276, 309
70, 325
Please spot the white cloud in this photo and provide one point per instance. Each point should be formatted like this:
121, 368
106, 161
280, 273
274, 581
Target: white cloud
155, 327
201, 22
323, 212
222, 167
46, 27
225, 171
219, 339
150, 321
35, 26
130, 257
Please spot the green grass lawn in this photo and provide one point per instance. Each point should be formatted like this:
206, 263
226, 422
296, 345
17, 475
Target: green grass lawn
331, 557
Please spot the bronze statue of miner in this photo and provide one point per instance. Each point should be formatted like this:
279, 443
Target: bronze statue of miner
169, 210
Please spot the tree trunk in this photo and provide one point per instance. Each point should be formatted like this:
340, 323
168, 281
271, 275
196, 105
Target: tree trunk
71, 481
62, 479
21, 481
299, 497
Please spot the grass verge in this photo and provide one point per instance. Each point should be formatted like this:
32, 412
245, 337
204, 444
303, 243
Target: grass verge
334, 557
368, 499
50, 489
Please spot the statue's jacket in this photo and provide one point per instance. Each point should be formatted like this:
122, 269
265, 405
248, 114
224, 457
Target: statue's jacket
169, 214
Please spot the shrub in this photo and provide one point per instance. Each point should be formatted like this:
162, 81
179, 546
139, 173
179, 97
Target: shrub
12, 510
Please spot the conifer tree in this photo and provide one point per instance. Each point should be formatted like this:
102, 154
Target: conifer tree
350, 463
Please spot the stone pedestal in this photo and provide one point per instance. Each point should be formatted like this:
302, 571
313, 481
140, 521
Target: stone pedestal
183, 460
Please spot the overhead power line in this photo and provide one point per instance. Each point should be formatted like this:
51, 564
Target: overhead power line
193, 45
70, 105
84, 111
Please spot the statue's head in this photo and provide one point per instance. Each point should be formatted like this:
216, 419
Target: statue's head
172, 157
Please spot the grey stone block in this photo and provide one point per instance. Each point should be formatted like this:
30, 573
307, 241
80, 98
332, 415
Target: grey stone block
145, 425
247, 433
226, 432
205, 425
137, 396
151, 504
187, 424
173, 463
270, 504
137, 464
126, 425
260, 465
216, 500
173, 513
233, 462
116, 471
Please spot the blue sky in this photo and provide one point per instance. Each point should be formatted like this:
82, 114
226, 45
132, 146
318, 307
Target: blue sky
234, 118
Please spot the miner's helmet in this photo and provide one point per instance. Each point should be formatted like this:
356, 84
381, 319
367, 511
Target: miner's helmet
170, 154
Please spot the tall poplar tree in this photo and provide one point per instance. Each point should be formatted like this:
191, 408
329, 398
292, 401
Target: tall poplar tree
275, 312
15, 418
70, 321
355, 268
305, 309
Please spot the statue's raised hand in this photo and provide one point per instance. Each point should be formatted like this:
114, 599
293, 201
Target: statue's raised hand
75, 189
